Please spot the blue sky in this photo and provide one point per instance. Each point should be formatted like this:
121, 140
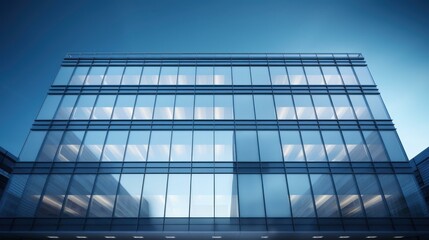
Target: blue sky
392, 35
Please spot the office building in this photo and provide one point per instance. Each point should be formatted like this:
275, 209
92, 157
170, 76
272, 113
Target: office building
420, 165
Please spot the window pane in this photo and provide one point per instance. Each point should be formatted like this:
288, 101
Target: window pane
371, 195
364, 76
348, 195
30, 197
79, 76
202, 201
153, 198
137, 146
313, 146
63, 76
77, 200
128, 198
356, 146
359, 105
92, 146
184, 108
314, 76
241, 75
348, 75
181, 146
264, 107
260, 76
132, 76
178, 195
247, 146
52, 200
104, 107
69, 147
412, 193
113, 76
50, 146
243, 107
332, 77
114, 148
204, 76
223, 107
269, 146
95, 76
393, 195
300, 195
203, 146
334, 146
164, 107
377, 107
224, 141
324, 195
159, 149
186, 76
291, 145
14, 191
150, 76
393, 146
203, 107
124, 107
251, 198
375, 146
226, 200
304, 107
49, 107
279, 76
296, 76
104, 195
32, 146
84, 107
276, 196
284, 107
66, 107
342, 107
222, 76
168, 76
323, 107
144, 107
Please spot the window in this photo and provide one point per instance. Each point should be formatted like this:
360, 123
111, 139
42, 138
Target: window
103, 197
144, 107
186, 76
138, 144
371, 195
63, 76
79, 76
84, 107
314, 76
348, 75
32, 146
264, 107
114, 148
348, 195
284, 107
202, 199
153, 198
113, 76
203, 107
104, 107
412, 193
164, 107
300, 195
226, 199
332, 77
342, 107
168, 76
223, 107
356, 146
222, 76
92, 146
241, 75
224, 142
184, 108
69, 147
204, 76
124, 107
181, 146
291, 145
203, 146
243, 107
159, 149
50, 146
334, 146
132, 76
77, 199
279, 76
251, 196
52, 200
375, 146
30, 197
66, 107
304, 107
178, 195
313, 146
276, 196
128, 198
13, 191
49, 107
95, 76
323, 107
393, 195
296, 76
393, 146
377, 107
260, 76
150, 76
359, 105
246, 146
324, 195
364, 76
269, 146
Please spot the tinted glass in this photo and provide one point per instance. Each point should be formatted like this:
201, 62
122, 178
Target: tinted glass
224, 142
104, 107
30, 197
153, 197
377, 107
95, 76
159, 149
138, 144
184, 108
113, 76
49, 107
348, 195
226, 199
313, 146
203, 146
164, 107
323, 107
243, 107
202, 195
348, 75
168, 76
66, 107
52, 200
359, 105
103, 197
284, 107
393, 195
300, 195
314, 76
251, 196
334, 146
114, 147
204, 76
279, 76
324, 195
276, 195
375, 146
128, 197
264, 107
304, 107
260, 76
296, 76
222, 76
84, 107
77, 199
69, 147
32, 146
223, 107
393, 146
342, 107
92, 146
79, 76
124, 107
144, 107
50, 146
181, 146
269, 146
364, 76
203, 107
63, 76
412, 194
178, 195
150, 76
14, 191
332, 77
241, 75
356, 146
186, 76
371, 195
246, 146
291, 145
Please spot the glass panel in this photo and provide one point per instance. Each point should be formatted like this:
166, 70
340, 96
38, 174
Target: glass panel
30, 197
164, 107
348, 195
124, 107
393, 146
223, 107
181, 146
168, 76
342, 107
77, 200
49, 107
128, 198
114, 147
144, 107
393, 195
186, 76
323, 107
371, 195
32, 146
12, 195
348, 75
269, 146
104, 195
95, 76
159, 149
264, 107
324, 195
79, 76
222, 76
202, 191
364, 76
377, 107
291, 145
113, 76
66, 107
226, 200
203, 146
279, 76
153, 198
241, 75
92, 146
132, 76
300, 195
313, 146
276, 196
356, 146
334, 146
184, 108
63, 76
243, 107
296, 76
203, 107
69, 147
224, 141
84, 107
247, 146
178, 195
260, 76
314, 76
284, 107
332, 77
52, 201
304, 107
150, 76
50, 146
359, 105
251, 197
204, 76
104, 107
137, 146
375, 146
412, 193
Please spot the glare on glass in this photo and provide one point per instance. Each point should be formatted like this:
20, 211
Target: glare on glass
181, 146
375, 146
356, 146
222, 76
204, 76
377, 107
50, 146
223, 107
159, 149
137, 147
226, 198
334, 146
124, 107
95, 76
144, 107
178, 195
184, 107
348, 195
150, 76
224, 146
79, 76
128, 197
284, 107
31, 195
372, 197
292, 146
113, 75
296, 76
103, 107
304, 107
313, 146
164, 107
279, 76
131, 75
92, 146
202, 195
114, 147
153, 197
314, 76
51, 203
324, 195
359, 105
342, 106
203, 146
203, 107
300, 195
66, 107
83, 108
77, 200
69, 147
323, 107
103, 196
332, 77
168, 76
348, 75
186, 76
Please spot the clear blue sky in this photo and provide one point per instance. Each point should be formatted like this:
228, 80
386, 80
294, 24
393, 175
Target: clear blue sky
392, 35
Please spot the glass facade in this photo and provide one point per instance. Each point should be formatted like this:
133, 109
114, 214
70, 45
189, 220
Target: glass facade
287, 143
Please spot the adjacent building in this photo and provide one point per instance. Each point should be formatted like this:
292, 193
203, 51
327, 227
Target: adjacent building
7, 161
209, 146
420, 165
